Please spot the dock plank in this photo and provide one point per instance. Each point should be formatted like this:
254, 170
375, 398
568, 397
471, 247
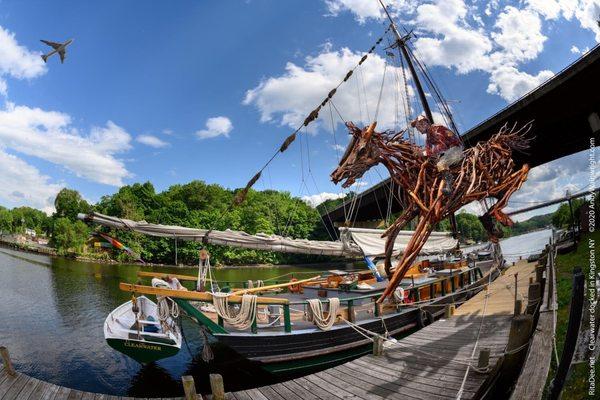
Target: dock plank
15, 388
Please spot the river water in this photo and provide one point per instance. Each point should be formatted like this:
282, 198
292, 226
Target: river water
52, 311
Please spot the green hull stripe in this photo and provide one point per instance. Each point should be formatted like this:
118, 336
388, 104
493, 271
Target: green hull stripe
142, 352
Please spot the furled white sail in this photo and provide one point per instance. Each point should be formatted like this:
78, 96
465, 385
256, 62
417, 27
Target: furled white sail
373, 245
260, 241
356, 242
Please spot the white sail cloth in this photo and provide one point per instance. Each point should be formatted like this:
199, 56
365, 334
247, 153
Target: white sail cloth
260, 241
373, 245
355, 242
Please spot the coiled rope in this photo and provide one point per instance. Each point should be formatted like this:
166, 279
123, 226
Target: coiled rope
245, 316
315, 313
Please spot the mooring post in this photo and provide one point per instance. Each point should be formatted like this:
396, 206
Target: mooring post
535, 297
518, 307
7, 362
189, 387
216, 386
520, 332
378, 346
484, 358
449, 311
539, 273
516, 285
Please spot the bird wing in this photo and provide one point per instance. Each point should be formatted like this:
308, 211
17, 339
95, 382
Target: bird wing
54, 45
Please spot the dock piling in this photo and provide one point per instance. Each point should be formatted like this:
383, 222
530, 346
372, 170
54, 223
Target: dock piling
377, 346
484, 358
449, 311
189, 387
518, 307
216, 386
7, 362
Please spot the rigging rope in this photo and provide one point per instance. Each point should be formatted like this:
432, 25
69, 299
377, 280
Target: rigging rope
313, 115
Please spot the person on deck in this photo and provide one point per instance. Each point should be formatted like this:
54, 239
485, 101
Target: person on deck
441, 142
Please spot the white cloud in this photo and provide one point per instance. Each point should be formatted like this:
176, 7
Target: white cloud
216, 126
359, 184
550, 9
316, 199
520, 35
338, 147
16, 60
367, 9
49, 135
289, 98
22, 184
587, 12
454, 42
575, 50
151, 141
450, 33
511, 83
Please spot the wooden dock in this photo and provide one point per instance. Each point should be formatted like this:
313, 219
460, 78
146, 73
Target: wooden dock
19, 386
431, 363
441, 361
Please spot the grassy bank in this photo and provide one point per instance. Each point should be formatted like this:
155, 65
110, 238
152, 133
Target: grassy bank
576, 386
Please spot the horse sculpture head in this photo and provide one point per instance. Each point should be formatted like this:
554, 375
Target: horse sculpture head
359, 157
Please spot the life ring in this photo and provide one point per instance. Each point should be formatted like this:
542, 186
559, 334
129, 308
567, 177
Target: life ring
297, 288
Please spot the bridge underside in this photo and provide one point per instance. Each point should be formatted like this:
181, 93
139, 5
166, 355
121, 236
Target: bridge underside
565, 111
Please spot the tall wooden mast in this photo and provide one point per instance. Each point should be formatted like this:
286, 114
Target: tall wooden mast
401, 43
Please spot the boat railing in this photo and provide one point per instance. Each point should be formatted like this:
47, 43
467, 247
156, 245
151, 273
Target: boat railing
437, 288
447, 284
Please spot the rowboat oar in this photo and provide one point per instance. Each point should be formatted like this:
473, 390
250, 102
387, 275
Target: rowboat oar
280, 285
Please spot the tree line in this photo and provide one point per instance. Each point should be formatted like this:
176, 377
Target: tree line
208, 206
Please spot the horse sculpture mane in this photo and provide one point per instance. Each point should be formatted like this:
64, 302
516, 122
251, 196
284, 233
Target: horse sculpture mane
486, 171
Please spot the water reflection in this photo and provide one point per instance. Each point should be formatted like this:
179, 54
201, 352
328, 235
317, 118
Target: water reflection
53, 311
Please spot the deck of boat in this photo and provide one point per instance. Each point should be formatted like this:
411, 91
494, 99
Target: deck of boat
430, 363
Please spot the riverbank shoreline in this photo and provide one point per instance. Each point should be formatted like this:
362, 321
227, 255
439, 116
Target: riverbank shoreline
48, 251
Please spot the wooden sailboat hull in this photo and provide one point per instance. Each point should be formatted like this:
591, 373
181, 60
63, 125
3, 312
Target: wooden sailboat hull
309, 349
304, 349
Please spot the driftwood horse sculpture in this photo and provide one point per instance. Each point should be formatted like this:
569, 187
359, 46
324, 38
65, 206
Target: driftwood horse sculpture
487, 171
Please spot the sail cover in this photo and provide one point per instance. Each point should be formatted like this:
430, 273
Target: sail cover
373, 245
260, 241
355, 242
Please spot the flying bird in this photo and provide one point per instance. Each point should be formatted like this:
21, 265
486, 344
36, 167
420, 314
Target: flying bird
60, 48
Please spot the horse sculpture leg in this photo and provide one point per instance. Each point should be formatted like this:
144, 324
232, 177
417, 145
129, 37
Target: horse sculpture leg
422, 232
496, 210
392, 232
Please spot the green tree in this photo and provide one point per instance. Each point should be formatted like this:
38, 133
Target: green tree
69, 236
69, 203
6, 220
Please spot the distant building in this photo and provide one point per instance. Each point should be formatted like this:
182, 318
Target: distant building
30, 232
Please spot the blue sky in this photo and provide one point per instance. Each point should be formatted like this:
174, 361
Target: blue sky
175, 91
